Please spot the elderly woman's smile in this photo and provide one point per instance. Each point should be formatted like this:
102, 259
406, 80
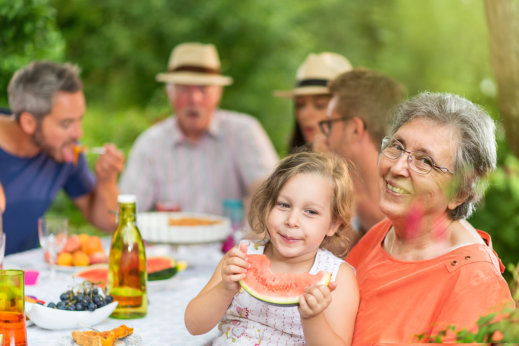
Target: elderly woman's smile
396, 189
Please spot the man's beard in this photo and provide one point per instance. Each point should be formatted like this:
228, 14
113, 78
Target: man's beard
39, 140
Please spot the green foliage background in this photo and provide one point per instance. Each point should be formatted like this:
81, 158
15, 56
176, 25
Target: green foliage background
437, 45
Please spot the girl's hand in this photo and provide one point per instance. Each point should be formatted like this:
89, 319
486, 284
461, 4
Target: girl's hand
315, 300
234, 267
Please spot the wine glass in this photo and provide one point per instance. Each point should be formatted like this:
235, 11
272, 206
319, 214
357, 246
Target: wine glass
2, 249
52, 231
2, 242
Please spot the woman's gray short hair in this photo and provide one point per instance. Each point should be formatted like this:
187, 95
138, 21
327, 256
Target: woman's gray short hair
33, 87
476, 154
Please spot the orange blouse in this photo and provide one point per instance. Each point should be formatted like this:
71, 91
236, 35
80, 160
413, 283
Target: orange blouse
401, 299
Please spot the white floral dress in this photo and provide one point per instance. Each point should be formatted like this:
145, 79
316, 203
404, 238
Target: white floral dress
249, 321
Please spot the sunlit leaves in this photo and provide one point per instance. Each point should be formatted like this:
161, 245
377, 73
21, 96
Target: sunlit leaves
27, 32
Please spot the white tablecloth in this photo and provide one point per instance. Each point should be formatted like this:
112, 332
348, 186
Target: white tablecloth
164, 323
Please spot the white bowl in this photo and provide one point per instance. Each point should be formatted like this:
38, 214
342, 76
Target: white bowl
49, 318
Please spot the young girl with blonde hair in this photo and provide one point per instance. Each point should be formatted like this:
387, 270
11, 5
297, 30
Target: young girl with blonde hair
303, 210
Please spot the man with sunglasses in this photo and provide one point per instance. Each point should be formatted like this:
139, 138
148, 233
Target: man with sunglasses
358, 115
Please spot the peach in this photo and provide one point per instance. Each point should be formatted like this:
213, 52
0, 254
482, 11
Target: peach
98, 257
92, 245
73, 244
84, 238
79, 258
64, 259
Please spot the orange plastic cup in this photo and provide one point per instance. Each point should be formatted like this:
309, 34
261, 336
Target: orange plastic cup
12, 308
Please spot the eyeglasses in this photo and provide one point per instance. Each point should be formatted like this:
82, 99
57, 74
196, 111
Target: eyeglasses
326, 125
418, 161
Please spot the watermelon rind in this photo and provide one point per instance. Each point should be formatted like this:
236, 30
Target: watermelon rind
163, 274
282, 301
171, 263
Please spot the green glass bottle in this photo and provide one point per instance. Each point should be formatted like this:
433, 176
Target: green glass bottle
127, 266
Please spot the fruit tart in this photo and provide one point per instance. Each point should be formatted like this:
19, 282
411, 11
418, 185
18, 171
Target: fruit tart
96, 338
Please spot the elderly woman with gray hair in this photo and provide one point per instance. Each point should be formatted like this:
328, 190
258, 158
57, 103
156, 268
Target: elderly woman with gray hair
425, 267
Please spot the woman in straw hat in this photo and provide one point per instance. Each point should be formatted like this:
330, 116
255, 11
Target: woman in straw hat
311, 94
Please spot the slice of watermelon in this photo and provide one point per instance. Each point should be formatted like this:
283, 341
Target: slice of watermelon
158, 263
158, 268
97, 273
281, 288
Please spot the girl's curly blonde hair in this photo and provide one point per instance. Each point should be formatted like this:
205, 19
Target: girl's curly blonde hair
325, 164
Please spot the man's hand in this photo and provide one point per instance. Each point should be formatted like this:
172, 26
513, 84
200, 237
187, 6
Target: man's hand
109, 164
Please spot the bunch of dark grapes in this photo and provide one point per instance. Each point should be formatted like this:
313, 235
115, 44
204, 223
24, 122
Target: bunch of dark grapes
85, 297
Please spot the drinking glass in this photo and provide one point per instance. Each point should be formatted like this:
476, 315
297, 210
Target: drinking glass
233, 210
12, 308
52, 231
2, 247
2, 241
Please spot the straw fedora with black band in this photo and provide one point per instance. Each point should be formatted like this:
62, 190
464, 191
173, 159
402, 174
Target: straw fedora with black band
194, 63
314, 74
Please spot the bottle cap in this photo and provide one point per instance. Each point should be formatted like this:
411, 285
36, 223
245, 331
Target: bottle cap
127, 199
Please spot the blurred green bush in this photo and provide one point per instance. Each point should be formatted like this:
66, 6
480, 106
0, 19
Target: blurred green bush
121, 45
28, 31
498, 213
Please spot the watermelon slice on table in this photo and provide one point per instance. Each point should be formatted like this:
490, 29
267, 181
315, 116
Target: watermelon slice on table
162, 268
281, 288
158, 268
97, 273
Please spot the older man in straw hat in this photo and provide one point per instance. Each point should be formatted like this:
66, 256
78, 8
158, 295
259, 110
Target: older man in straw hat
202, 155
358, 116
311, 95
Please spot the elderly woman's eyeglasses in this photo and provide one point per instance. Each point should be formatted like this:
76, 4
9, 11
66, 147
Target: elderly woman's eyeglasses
326, 125
418, 161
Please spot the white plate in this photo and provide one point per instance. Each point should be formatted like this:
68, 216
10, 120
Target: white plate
70, 269
130, 340
154, 227
49, 318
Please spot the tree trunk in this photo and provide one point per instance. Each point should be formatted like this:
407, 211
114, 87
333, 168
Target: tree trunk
503, 29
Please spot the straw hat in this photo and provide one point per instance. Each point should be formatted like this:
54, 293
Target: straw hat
194, 64
315, 73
